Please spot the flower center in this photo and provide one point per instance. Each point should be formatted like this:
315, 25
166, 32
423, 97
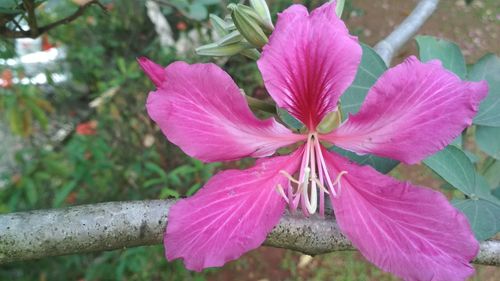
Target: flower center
314, 179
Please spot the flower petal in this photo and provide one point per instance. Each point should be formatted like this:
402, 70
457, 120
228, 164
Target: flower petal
154, 71
230, 215
411, 231
200, 109
414, 110
309, 62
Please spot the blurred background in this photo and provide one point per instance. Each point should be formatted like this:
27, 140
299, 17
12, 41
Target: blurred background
74, 130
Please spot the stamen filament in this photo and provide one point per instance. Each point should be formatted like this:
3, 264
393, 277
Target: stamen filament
323, 166
289, 177
313, 178
281, 191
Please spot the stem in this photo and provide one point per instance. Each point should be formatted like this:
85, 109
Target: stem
118, 225
389, 46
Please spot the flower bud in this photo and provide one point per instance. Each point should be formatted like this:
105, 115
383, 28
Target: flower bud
216, 50
252, 54
330, 122
248, 23
219, 25
339, 7
230, 38
261, 8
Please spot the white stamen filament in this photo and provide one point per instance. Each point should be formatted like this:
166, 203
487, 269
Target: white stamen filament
313, 175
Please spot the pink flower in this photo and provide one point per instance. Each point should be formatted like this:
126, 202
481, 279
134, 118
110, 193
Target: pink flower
412, 111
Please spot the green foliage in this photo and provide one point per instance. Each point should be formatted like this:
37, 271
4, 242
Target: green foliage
369, 70
383, 165
488, 68
488, 140
475, 179
23, 106
447, 52
480, 206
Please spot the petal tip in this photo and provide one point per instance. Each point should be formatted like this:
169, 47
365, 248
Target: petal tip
154, 71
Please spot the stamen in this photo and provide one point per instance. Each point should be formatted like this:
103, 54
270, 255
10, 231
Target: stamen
322, 187
325, 171
313, 178
289, 177
337, 180
281, 191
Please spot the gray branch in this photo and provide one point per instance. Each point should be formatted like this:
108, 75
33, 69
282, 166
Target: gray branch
389, 46
118, 225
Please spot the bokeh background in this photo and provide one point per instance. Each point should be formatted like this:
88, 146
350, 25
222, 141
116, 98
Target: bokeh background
74, 130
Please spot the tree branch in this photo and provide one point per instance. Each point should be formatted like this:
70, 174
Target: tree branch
162, 28
118, 225
389, 46
36, 31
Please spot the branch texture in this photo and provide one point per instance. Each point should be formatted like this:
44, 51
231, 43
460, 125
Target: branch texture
389, 46
118, 225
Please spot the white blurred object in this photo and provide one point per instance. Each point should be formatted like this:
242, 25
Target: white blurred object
36, 62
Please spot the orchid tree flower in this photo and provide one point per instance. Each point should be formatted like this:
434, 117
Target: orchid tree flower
414, 110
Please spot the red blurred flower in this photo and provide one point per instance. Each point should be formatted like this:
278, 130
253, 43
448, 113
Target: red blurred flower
87, 128
6, 79
46, 45
181, 26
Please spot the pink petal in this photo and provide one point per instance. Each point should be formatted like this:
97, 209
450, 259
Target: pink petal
230, 215
309, 62
411, 231
414, 110
200, 109
154, 71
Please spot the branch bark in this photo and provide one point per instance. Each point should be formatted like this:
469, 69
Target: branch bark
389, 46
36, 31
162, 28
118, 225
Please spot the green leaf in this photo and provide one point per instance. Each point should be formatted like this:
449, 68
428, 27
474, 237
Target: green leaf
64, 192
289, 120
488, 68
492, 175
369, 70
193, 189
447, 52
454, 167
167, 192
483, 216
488, 140
31, 192
208, 2
496, 192
155, 169
383, 165
481, 208
198, 11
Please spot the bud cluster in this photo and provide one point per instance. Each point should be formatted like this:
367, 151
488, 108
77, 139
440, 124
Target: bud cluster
244, 31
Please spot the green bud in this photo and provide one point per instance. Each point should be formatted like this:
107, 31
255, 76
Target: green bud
339, 8
219, 25
330, 122
248, 23
252, 54
260, 6
215, 50
230, 38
